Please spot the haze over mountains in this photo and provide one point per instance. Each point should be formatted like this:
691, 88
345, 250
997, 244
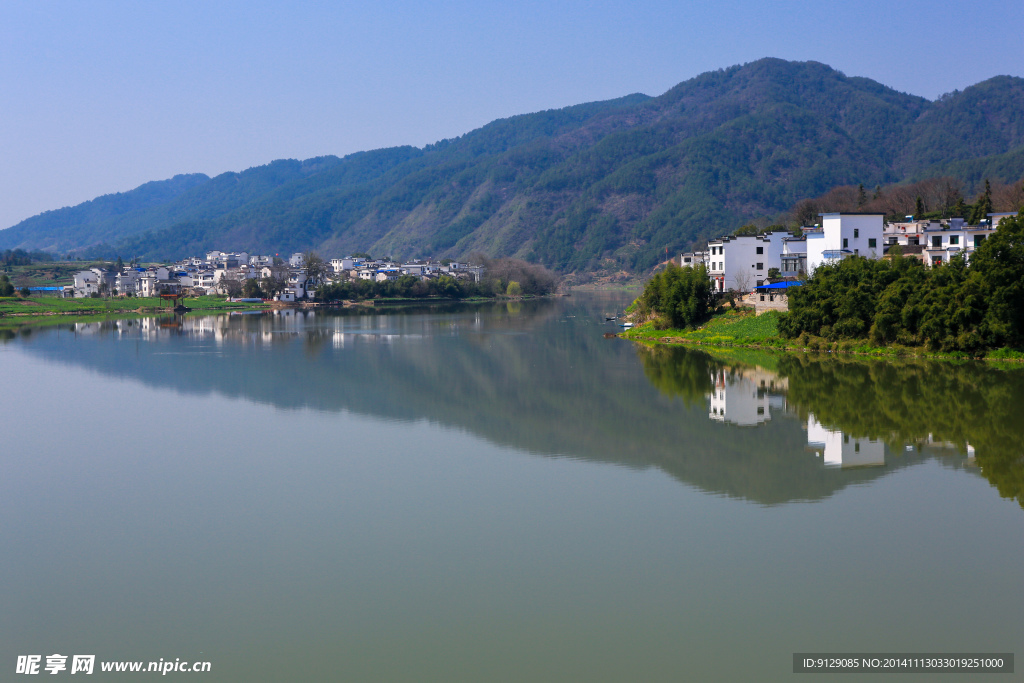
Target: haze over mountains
605, 184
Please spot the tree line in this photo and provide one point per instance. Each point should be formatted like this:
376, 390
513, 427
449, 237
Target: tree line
505, 276
960, 306
932, 198
20, 257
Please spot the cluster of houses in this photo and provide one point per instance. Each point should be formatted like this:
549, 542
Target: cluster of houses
742, 263
221, 272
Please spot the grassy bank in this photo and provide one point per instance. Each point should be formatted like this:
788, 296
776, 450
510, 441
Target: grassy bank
741, 328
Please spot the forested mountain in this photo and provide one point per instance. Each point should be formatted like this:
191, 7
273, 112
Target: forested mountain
606, 184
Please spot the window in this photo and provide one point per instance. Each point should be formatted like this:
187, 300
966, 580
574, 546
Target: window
760, 410
873, 243
856, 233
846, 243
760, 282
936, 241
954, 239
913, 241
760, 266
978, 239
762, 297
760, 250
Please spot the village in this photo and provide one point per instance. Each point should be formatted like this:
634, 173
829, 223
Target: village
762, 267
241, 275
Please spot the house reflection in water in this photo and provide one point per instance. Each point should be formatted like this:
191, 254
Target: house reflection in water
842, 450
746, 397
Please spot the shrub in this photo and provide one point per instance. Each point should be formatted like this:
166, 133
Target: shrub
681, 297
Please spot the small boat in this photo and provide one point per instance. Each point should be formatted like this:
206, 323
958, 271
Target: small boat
627, 325
607, 319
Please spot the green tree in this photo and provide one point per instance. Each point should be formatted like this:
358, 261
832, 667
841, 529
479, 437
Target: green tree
983, 207
251, 289
316, 268
998, 268
678, 297
959, 209
6, 288
514, 289
748, 229
233, 288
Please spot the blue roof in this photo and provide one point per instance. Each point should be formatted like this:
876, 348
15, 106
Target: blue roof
45, 289
781, 285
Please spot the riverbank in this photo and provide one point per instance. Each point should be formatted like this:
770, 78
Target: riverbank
741, 328
45, 305
17, 312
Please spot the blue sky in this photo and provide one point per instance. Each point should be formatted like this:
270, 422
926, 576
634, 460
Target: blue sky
101, 96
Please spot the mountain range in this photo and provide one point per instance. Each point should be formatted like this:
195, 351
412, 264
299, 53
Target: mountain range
610, 184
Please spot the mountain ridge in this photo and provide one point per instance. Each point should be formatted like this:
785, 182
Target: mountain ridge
607, 184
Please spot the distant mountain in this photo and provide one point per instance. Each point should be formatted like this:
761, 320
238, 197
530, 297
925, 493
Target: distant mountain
606, 184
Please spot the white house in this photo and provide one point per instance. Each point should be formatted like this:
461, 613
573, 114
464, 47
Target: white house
127, 282
297, 284
843, 235
995, 218
417, 268
86, 283
742, 262
745, 398
297, 260
842, 450
691, 259
340, 265
794, 256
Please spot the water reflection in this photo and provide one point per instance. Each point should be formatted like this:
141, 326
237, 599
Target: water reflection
539, 377
745, 396
840, 450
868, 413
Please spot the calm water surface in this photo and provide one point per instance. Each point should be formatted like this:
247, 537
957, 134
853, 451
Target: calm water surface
495, 493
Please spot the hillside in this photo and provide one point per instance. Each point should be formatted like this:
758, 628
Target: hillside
602, 184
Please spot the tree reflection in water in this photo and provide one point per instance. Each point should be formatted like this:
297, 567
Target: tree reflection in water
971, 407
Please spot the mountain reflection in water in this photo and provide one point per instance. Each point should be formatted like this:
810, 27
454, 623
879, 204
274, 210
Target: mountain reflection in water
539, 377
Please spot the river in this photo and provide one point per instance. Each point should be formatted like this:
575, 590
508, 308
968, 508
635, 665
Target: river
495, 492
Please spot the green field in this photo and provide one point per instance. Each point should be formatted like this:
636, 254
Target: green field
731, 327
